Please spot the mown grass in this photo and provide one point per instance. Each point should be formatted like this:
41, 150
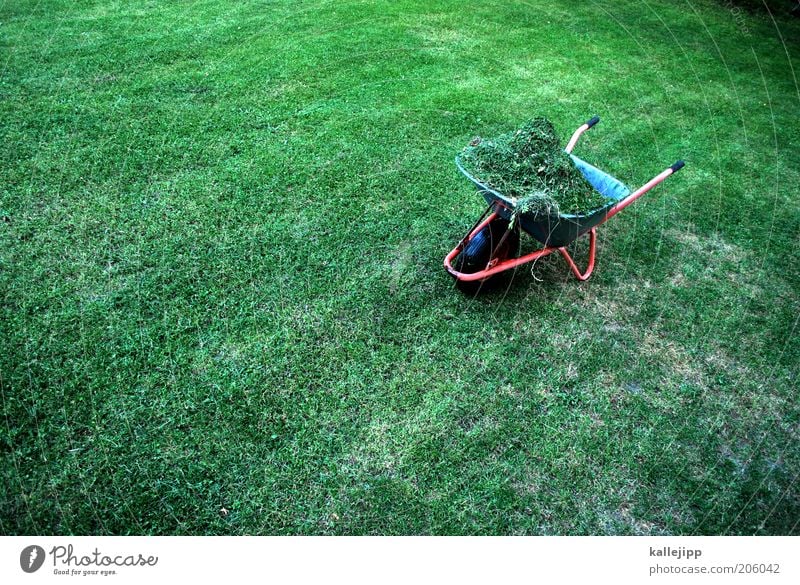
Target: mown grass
223, 307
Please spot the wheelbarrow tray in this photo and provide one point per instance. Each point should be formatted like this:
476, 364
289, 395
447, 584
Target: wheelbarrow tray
558, 230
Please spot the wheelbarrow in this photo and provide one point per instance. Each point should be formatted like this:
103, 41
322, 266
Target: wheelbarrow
491, 246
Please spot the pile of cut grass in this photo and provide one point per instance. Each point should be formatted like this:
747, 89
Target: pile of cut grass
530, 165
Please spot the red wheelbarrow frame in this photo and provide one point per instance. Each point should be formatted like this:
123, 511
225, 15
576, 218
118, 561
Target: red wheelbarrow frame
495, 266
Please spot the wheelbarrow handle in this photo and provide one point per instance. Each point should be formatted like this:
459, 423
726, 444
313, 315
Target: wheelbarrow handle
588, 124
678, 165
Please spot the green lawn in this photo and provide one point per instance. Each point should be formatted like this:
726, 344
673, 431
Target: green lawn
223, 305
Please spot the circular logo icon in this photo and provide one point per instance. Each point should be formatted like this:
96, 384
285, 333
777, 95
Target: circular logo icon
31, 558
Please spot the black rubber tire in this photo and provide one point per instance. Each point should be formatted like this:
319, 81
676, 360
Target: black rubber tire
482, 248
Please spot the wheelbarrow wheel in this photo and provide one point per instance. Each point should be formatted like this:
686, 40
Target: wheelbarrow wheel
486, 245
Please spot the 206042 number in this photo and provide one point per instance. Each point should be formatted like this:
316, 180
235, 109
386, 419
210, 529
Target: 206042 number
747, 568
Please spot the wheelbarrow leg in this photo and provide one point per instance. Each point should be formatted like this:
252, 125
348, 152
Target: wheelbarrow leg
585, 275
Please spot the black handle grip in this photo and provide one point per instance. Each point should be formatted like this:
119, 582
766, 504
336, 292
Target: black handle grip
592, 122
677, 166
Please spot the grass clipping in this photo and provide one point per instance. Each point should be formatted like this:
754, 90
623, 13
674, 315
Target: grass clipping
530, 166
